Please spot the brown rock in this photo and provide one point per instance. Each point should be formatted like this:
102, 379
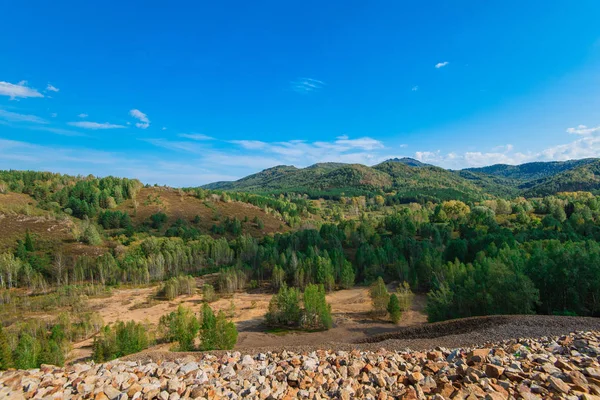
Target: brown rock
493, 371
477, 356
558, 385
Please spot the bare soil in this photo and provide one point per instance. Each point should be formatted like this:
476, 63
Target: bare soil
350, 311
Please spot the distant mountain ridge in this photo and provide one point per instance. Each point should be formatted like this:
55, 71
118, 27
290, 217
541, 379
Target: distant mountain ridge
408, 178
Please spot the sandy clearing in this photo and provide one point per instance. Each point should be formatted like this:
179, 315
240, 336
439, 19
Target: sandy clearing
350, 309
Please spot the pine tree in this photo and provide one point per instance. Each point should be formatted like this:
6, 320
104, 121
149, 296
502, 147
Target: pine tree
208, 327
393, 309
379, 297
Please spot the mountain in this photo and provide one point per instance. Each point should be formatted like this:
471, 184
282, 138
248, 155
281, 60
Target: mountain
409, 161
410, 180
531, 171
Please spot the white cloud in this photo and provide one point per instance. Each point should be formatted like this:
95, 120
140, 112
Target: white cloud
94, 125
16, 117
51, 88
20, 90
441, 64
194, 136
143, 118
306, 85
82, 115
54, 115
415, 88
164, 128
583, 130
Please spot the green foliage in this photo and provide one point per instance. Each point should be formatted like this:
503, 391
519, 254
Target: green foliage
90, 234
216, 333
119, 340
405, 296
27, 353
158, 219
181, 285
317, 313
347, 276
181, 326
6, 359
393, 308
379, 297
284, 307
226, 333
208, 293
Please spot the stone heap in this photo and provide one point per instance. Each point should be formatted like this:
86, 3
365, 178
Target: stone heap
564, 367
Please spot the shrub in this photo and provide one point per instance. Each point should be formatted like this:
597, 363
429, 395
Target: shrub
393, 309
6, 360
28, 351
90, 234
277, 277
208, 327
317, 313
217, 333
181, 326
182, 285
405, 296
226, 333
231, 280
347, 275
379, 297
208, 293
119, 340
284, 307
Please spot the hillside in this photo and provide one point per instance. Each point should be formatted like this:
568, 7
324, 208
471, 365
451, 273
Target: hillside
318, 178
411, 180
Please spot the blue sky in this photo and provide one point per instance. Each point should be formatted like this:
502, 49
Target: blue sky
186, 93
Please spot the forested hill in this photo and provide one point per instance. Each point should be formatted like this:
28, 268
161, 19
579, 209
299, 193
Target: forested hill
411, 179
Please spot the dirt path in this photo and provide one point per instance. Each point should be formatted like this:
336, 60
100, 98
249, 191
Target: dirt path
350, 309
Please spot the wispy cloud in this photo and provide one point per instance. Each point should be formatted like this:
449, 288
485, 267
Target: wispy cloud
585, 147
19, 90
306, 85
441, 64
16, 117
82, 115
51, 88
415, 88
194, 136
583, 130
94, 125
57, 131
143, 118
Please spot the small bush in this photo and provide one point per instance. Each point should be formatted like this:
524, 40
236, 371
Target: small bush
379, 297
119, 340
284, 308
405, 296
216, 333
347, 275
393, 309
317, 313
180, 326
182, 285
208, 293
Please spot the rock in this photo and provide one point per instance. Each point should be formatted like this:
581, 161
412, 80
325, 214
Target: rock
493, 371
111, 392
478, 355
558, 385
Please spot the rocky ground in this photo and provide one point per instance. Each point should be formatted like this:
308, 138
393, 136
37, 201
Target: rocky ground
565, 366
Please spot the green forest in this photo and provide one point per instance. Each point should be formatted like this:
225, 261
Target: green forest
527, 248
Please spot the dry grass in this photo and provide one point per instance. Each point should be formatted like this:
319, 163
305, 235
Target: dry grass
178, 204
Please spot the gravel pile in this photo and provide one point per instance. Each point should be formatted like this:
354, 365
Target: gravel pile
550, 367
